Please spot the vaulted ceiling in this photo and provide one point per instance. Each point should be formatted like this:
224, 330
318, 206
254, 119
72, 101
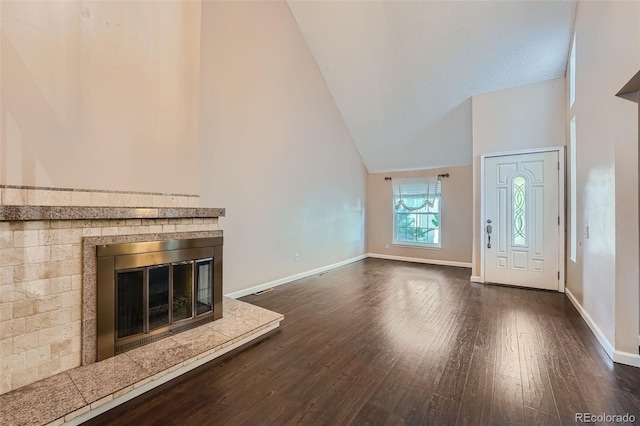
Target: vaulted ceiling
402, 72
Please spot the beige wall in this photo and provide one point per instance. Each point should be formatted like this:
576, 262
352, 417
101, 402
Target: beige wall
274, 149
519, 118
100, 95
456, 216
604, 279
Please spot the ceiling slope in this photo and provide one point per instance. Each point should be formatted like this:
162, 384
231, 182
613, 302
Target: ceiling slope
402, 72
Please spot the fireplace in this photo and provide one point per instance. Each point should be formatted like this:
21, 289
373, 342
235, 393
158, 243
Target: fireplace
150, 290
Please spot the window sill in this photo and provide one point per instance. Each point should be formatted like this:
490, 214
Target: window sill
418, 246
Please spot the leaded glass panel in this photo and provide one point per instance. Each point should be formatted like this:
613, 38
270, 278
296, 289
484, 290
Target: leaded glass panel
519, 195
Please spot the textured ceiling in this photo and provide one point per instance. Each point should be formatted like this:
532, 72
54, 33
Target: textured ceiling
402, 73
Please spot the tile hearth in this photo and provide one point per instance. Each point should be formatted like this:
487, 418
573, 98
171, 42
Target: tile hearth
72, 395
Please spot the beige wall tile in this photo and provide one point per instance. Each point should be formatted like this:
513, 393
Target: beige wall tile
48, 237
25, 342
67, 362
23, 378
6, 312
71, 298
61, 252
29, 272
76, 313
6, 239
11, 256
36, 289
61, 284
61, 198
24, 308
14, 197
76, 282
62, 348
6, 347
9, 293
5, 383
72, 236
49, 303
27, 238
17, 362
6, 275
38, 254
50, 335
91, 232
81, 198
60, 317
14, 327
145, 200
38, 356
39, 197
99, 199
49, 368
38, 322
110, 230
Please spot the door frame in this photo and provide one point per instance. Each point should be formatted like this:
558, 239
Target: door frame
561, 206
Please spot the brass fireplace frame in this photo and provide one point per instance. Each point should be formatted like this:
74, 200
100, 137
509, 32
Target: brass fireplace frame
126, 256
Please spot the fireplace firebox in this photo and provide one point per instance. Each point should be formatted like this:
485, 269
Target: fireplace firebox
150, 290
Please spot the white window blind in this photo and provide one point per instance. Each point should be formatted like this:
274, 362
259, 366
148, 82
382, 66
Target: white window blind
416, 207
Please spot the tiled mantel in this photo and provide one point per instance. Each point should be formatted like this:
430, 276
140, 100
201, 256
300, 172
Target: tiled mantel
85, 392
47, 248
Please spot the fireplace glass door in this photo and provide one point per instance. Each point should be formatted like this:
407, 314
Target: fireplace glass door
158, 297
153, 289
204, 287
154, 297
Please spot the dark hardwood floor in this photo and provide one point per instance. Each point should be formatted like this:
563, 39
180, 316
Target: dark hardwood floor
383, 342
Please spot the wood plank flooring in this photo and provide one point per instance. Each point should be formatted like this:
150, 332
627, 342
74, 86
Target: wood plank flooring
390, 343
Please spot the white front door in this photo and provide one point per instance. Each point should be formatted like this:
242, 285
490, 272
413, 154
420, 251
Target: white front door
521, 220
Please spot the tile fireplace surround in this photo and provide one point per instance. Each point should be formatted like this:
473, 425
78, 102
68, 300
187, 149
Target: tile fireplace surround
47, 267
48, 238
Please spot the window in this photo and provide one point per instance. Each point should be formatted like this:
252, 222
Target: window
416, 212
519, 192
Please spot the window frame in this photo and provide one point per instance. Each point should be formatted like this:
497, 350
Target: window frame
415, 244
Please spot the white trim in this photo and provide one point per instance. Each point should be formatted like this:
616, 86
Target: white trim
626, 358
417, 246
419, 260
290, 278
561, 206
167, 377
521, 151
477, 279
604, 342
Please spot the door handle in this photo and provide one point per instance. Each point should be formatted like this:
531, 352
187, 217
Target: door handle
489, 230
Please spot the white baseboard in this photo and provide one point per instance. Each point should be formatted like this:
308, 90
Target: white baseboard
604, 342
477, 279
626, 358
290, 278
420, 260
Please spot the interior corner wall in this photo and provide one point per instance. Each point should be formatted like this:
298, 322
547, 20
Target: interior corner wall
100, 95
519, 118
456, 216
604, 278
274, 149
